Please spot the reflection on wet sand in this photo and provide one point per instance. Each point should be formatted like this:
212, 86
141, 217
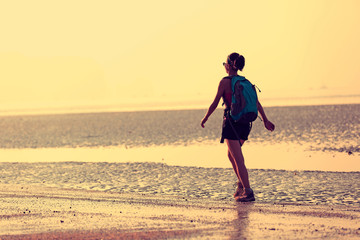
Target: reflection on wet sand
240, 224
48, 213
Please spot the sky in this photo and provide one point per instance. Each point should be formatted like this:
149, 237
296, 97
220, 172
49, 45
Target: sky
161, 53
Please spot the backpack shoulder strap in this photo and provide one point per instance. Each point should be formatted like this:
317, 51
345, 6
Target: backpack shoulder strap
227, 77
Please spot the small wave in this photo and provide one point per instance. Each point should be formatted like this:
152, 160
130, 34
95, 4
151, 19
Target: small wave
347, 149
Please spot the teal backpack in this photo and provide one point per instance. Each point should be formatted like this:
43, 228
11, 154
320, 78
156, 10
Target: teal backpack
243, 101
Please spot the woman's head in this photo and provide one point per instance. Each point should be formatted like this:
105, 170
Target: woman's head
236, 61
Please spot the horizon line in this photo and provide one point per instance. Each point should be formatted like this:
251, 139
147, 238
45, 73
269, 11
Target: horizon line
138, 107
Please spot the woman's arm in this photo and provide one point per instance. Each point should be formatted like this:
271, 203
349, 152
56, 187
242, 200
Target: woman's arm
268, 125
214, 104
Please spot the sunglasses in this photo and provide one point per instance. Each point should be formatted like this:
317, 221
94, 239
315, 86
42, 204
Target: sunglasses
228, 62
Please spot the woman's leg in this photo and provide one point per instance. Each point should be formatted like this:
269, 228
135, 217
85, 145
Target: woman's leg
239, 187
238, 160
232, 160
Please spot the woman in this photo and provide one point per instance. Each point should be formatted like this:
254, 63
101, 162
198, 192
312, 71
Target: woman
233, 64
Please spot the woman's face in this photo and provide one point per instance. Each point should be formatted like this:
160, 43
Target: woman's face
227, 66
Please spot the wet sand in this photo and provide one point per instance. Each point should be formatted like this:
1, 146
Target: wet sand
35, 212
306, 187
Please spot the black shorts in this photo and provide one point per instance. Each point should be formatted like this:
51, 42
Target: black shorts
234, 130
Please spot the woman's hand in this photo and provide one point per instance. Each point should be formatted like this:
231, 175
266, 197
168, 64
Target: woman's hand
203, 122
269, 125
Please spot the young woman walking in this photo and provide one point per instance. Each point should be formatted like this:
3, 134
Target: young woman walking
235, 133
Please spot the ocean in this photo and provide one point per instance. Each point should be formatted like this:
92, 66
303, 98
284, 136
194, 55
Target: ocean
312, 157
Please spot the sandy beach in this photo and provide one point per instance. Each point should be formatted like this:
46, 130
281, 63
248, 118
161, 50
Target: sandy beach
35, 212
114, 176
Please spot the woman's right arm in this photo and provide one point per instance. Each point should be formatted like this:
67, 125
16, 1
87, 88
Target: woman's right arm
268, 125
214, 104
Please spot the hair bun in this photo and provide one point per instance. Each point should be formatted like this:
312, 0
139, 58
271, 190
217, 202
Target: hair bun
239, 62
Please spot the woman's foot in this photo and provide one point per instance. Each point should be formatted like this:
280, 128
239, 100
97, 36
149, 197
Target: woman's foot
247, 196
239, 190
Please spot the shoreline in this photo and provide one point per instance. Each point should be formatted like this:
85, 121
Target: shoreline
76, 110
34, 212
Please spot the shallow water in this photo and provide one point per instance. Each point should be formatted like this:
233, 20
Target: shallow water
333, 128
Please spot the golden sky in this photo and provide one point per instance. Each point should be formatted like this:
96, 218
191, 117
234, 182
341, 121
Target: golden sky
84, 53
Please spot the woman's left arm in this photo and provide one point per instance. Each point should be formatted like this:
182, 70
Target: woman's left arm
268, 125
